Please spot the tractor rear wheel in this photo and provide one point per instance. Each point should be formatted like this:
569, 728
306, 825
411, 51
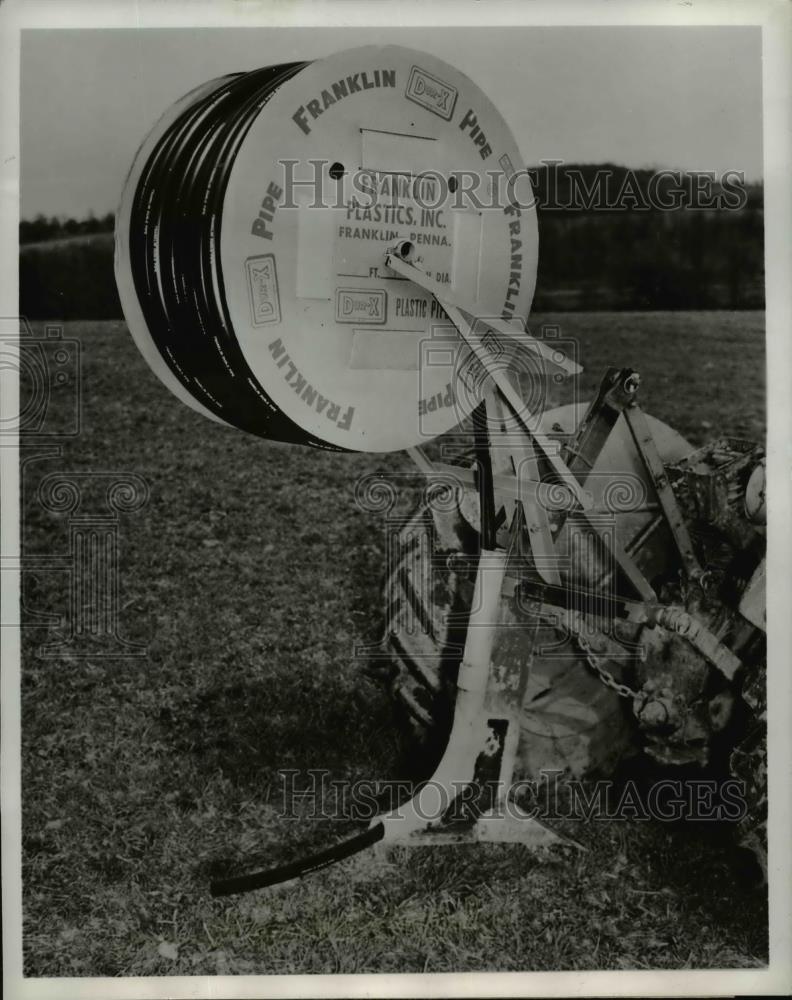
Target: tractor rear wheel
571, 721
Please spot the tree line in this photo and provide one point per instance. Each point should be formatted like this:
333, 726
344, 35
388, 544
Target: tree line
56, 227
605, 243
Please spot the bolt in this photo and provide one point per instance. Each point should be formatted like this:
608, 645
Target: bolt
405, 250
654, 714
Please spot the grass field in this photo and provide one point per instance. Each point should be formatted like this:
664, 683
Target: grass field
248, 576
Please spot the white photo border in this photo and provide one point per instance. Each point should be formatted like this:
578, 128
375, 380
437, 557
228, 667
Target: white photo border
775, 18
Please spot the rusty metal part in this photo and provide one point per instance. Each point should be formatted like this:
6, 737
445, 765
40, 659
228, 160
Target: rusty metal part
684, 702
574, 623
647, 449
711, 486
675, 619
700, 637
676, 716
615, 392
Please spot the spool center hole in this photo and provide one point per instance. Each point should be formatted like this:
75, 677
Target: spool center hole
337, 170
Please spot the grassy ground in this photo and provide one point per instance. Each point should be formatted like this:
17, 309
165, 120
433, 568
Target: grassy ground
248, 576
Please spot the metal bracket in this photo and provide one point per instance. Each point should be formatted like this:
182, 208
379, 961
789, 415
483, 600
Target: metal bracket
467, 323
468, 797
647, 449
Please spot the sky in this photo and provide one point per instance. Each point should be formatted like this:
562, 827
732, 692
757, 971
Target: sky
678, 97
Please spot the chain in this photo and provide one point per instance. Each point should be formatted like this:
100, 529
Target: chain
595, 660
570, 623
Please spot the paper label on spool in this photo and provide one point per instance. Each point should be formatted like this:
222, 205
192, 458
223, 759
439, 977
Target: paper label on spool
355, 354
